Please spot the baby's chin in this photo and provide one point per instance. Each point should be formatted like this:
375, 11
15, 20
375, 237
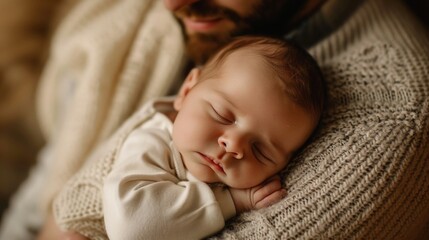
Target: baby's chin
240, 185
209, 176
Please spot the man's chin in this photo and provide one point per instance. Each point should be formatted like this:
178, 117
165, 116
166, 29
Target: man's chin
200, 47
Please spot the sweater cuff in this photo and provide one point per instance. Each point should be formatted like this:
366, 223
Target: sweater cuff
224, 198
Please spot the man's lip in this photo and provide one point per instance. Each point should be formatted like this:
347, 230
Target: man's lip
211, 161
201, 24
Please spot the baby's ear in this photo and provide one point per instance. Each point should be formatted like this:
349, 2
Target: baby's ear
187, 85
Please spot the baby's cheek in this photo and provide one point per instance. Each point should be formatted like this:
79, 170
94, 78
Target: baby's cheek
248, 177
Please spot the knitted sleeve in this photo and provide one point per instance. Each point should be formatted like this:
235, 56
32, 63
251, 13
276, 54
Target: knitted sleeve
78, 207
365, 174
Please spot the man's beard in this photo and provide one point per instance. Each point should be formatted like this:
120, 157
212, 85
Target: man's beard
200, 47
268, 18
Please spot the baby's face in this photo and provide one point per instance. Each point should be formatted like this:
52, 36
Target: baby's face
238, 128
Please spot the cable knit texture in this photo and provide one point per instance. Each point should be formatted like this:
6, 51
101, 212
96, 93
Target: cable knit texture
365, 174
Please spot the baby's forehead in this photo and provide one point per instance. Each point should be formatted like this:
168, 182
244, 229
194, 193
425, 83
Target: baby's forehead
247, 59
245, 53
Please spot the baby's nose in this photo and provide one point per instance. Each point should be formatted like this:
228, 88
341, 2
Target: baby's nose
233, 146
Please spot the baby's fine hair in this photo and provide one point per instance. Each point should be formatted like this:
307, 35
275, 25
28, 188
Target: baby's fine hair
298, 71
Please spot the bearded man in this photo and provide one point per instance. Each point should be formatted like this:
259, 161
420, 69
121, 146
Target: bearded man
365, 174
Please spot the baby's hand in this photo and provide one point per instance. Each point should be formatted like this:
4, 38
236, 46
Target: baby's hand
263, 195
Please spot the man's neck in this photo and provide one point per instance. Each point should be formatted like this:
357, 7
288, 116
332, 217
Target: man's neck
307, 9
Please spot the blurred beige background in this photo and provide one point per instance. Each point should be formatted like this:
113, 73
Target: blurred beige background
24, 31
25, 27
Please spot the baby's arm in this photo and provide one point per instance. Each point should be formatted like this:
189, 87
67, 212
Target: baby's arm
263, 195
148, 197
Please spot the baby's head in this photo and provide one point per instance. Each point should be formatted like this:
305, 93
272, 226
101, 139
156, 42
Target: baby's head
244, 114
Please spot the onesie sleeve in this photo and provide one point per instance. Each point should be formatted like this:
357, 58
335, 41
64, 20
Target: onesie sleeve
144, 198
224, 199
222, 195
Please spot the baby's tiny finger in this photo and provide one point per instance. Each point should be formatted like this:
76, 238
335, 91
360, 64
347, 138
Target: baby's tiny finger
267, 189
271, 199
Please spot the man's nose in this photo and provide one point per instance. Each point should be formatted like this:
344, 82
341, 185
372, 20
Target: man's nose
232, 144
174, 5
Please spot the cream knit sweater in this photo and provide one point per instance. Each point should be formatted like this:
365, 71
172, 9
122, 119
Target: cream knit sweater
99, 71
365, 174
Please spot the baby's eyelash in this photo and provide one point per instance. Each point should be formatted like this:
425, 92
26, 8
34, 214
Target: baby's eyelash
259, 152
219, 117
